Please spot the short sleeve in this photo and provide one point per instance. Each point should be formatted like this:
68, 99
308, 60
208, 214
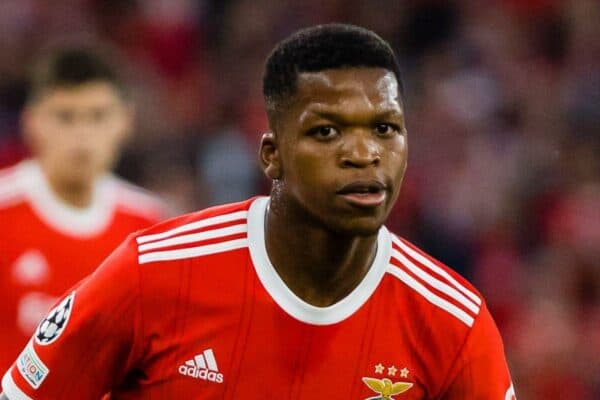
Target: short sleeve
88, 342
481, 372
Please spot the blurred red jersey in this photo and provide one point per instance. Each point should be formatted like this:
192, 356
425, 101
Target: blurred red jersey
47, 246
193, 309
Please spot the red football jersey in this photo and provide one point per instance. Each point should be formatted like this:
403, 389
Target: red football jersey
47, 246
193, 309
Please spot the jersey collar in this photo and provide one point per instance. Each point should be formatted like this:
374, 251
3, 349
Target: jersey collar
64, 218
286, 299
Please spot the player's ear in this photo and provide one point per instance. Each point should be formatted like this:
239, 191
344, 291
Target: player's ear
30, 128
126, 120
269, 156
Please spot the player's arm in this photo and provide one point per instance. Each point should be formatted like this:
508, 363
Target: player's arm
87, 343
481, 372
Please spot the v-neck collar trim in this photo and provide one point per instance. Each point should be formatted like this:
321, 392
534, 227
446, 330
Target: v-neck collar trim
286, 299
71, 221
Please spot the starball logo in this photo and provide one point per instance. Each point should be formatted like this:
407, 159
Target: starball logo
202, 366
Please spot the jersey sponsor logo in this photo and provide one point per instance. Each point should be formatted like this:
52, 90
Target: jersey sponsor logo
55, 322
385, 388
202, 366
31, 367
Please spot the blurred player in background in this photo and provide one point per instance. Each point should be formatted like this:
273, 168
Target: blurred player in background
61, 211
303, 294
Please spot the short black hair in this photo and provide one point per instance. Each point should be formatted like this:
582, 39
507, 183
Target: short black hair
69, 66
318, 48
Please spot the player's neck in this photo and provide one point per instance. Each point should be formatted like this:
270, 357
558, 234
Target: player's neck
318, 265
75, 194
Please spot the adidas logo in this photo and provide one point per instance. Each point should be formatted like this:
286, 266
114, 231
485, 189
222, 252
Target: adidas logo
202, 366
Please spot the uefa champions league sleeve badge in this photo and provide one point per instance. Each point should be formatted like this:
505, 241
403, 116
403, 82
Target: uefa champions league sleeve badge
55, 322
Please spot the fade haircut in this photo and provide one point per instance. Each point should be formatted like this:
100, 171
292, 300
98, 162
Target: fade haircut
318, 48
71, 66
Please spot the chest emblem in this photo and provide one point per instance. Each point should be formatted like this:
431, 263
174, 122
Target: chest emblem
385, 388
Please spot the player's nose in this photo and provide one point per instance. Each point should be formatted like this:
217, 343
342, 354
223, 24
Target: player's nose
360, 149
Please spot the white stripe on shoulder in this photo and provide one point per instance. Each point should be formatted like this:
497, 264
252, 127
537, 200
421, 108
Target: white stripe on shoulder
10, 189
430, 296
429, 264
436, 283
194, 237
11, 389
219, 219
190, 252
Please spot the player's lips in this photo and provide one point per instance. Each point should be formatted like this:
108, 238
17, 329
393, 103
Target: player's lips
364, 193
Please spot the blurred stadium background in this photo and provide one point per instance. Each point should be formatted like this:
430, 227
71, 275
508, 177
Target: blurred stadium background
503, 111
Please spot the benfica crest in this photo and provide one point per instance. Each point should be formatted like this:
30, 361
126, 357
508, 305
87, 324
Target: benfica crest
385, 388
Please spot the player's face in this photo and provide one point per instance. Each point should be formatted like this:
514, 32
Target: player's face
75, 132
341, 148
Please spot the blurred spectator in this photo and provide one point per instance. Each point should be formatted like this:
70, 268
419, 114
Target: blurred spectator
61, 212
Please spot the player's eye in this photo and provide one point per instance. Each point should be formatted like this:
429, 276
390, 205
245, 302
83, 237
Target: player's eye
325, 132
385, 129
99, 115
65, 117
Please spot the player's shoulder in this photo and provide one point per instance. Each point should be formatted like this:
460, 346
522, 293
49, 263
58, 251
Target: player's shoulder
13, 184
434, 285
137, 201
209, 231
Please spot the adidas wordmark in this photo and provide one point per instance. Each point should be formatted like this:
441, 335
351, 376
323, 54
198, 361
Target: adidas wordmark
202, 366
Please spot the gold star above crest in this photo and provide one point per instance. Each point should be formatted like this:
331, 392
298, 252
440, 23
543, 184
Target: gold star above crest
404, 372
392, 370
379, 368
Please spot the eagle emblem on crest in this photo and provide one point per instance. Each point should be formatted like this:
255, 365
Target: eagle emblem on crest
385, 388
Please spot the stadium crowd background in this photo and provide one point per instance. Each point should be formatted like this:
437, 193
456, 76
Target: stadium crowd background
503, 112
